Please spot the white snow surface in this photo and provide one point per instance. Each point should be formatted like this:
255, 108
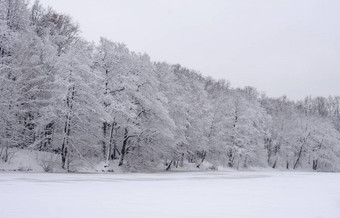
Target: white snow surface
260, 194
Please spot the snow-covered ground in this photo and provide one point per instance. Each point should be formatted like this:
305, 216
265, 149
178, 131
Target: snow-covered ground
209, 194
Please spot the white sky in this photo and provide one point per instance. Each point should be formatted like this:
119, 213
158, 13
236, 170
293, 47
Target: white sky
287, 47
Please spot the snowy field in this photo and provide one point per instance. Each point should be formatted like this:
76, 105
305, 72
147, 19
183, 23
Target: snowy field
163, 195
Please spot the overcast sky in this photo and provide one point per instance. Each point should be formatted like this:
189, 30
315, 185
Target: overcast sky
280, 47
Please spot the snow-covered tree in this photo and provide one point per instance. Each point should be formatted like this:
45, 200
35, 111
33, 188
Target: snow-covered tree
103, 103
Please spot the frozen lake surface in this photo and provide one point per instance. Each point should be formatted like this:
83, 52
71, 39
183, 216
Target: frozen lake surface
162, 195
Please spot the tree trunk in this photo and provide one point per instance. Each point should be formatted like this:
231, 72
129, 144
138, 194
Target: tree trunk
67, 129
63, 154
6, 153
231, 158
274, 165
104, 147
123, 151
300, 152
298, 158
64, 147
112, 145
169, 165
203, 158
287, 165
315, 164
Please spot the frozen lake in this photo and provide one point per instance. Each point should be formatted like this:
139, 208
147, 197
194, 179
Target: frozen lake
163, 195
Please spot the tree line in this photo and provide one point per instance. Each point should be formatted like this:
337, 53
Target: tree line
102, 102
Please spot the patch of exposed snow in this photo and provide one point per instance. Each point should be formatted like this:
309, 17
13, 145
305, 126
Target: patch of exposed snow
196, 194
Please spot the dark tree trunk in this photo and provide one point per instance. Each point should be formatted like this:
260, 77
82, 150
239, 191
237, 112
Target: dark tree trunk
231, 158
67, 129
113, 146
300, 152
236, 118
123, 151
274, 165
169, 165
287, 165
203, 158
5, 155
298, 158
64, 147
63, 154
104, 148
315, 164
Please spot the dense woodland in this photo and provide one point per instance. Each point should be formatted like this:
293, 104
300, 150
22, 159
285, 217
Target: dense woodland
102, 102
